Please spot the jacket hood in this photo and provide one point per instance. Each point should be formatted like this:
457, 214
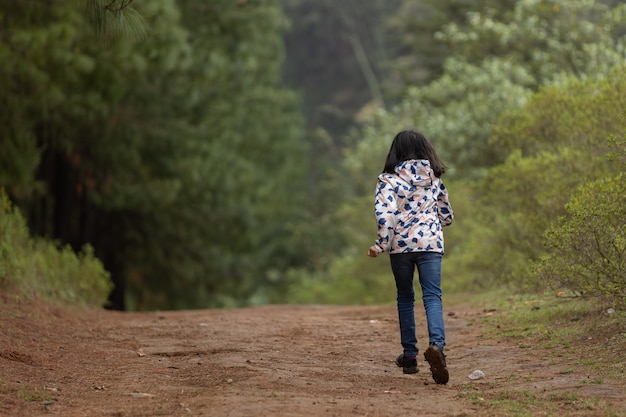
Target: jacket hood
416, 173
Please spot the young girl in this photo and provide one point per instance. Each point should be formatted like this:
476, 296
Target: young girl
411, 207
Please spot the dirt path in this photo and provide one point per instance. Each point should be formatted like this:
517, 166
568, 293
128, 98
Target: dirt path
273, 361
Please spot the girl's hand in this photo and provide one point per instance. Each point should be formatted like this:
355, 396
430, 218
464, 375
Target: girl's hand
373, 251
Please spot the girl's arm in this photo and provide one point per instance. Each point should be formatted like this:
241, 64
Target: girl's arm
446, 215
385, 209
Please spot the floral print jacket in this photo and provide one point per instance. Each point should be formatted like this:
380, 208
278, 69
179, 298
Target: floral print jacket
411, 207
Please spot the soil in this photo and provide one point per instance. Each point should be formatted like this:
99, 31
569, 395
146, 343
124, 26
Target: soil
277, 361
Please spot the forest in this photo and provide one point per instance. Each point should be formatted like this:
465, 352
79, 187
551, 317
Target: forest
172, 154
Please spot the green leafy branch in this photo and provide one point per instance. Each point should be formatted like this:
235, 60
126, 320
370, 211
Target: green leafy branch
114, 19
113, 7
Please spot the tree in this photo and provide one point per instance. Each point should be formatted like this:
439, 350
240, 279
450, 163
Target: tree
337, 55
415, 27
180, 157
497, 61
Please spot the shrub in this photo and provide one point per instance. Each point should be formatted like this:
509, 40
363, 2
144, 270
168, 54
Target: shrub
554, 145
31, 266
588, 246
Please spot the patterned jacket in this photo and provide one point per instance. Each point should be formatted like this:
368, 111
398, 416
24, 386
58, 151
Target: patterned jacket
411, 207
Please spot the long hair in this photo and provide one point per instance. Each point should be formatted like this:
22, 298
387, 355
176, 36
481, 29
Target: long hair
410, 144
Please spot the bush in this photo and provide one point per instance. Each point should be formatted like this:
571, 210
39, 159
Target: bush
37, 267
554, 144
500, 222
588, 247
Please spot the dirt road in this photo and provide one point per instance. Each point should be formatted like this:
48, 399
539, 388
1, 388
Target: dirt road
277, 361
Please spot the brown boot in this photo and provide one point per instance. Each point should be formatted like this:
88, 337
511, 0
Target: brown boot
409, 366
437, 361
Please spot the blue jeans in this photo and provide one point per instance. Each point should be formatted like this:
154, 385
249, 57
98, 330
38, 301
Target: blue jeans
429, 273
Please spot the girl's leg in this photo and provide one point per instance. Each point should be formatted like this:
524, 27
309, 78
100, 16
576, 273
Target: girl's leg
403, 267
429, 270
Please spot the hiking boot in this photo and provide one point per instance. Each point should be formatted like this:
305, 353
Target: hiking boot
437, 361
409, 366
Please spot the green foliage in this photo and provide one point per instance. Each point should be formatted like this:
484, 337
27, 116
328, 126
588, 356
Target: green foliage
112, 19
416, 27
517, 202
184, 163
557, 142
347, 282
233, 228
554, 143
345, 278
571, 116
498, 60
458, 110
36, 267
516, 157
179, 158
467, 261
540, 43
588, 246
551, 39
103, 151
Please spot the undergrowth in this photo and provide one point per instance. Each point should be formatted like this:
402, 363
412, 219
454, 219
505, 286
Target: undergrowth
35, 267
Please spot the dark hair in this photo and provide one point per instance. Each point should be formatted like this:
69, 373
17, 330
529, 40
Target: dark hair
410, 144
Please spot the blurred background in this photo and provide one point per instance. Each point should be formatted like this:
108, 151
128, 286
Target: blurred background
172, 154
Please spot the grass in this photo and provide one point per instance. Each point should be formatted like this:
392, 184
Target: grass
29, 393
32, 267
524, 403
24, 392
551, 322
579, 333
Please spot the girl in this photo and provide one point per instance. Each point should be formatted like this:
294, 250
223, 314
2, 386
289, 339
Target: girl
411, 207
